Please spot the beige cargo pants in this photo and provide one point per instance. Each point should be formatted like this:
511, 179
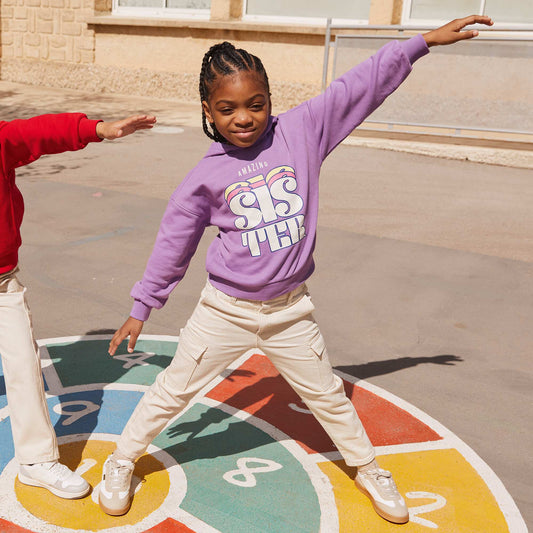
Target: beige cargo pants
221, 329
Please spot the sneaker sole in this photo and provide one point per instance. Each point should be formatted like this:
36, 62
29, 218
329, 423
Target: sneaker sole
54, 490
381, 512
113, 512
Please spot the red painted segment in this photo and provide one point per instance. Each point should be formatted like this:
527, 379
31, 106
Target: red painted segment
170, 526
385, 422
257, 388
8, 527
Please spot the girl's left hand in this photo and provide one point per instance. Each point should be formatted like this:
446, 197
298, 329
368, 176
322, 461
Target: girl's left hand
451, 33
131, 328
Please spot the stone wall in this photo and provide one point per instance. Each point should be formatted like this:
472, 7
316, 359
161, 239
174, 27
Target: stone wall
47, 30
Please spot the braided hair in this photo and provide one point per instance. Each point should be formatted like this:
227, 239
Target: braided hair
223, 59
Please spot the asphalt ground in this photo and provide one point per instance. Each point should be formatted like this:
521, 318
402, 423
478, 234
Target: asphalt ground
424, 265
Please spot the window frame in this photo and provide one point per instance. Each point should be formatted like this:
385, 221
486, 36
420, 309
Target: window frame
160, 12
299, 20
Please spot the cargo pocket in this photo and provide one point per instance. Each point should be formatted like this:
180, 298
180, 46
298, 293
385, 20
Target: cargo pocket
186, 361
318, 345
318, 349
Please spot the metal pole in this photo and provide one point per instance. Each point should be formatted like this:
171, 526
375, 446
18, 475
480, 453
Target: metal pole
326, 56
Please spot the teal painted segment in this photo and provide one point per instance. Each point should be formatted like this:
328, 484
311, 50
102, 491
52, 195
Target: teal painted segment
87, 361
207, 443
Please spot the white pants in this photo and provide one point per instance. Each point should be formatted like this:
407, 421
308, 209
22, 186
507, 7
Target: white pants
33, 434
221, 329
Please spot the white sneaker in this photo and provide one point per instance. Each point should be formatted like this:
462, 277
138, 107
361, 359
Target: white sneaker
379, 486
55, 477
114, 496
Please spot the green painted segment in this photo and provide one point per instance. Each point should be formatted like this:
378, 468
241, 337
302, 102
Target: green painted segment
207, 443
87, 361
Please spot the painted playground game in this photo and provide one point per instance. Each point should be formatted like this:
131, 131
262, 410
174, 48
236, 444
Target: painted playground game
245, 456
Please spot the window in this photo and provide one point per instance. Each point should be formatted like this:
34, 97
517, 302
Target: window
511, 11
345, 10
183, 8
436, 11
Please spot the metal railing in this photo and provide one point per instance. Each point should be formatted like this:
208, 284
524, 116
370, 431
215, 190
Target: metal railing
510, 34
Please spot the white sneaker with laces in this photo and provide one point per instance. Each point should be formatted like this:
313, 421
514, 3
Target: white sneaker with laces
379, 486
55, 477
114, 496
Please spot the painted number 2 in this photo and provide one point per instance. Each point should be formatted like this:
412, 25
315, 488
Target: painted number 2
438, 503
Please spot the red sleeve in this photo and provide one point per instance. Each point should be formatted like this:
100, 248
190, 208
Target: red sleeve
24, 141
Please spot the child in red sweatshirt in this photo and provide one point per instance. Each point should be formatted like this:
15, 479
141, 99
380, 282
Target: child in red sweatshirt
22, 142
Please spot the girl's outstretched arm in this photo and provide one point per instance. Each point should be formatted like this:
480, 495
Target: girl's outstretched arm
131, 327
451, 33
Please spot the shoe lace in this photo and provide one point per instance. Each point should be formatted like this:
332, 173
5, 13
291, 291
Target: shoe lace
118, 474
60, 471
385, 483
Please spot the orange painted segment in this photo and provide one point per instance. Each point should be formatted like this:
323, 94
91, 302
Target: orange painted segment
257, 387
441, 488
88, 457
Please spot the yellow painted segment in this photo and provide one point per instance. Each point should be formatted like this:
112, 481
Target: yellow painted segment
446, 494
84, 513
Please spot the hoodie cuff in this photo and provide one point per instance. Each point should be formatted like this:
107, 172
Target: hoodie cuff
140, 311
415, 48
87, 130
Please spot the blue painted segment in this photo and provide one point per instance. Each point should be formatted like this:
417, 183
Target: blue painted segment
208, 444
94, 411
7, 450
3, 398
87, 361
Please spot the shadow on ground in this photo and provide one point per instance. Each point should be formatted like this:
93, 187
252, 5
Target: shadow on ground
388, 366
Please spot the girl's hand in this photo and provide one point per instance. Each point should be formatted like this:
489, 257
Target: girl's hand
451, 33
131, 327
121, 128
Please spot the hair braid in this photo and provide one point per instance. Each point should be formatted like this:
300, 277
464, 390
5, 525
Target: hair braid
223, 59
203, 92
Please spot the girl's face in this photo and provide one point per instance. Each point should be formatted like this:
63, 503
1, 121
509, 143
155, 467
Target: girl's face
239, 106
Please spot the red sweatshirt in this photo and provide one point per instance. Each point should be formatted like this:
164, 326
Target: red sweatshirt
22, 142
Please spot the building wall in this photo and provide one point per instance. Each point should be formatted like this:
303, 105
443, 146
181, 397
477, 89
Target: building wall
78, 44
171, 58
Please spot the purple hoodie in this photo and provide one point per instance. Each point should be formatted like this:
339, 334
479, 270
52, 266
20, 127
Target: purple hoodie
264, 198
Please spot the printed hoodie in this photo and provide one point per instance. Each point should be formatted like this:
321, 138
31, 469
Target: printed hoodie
264, 199
21, 143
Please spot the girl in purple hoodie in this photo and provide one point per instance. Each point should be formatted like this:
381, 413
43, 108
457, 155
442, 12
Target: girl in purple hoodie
258, 184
